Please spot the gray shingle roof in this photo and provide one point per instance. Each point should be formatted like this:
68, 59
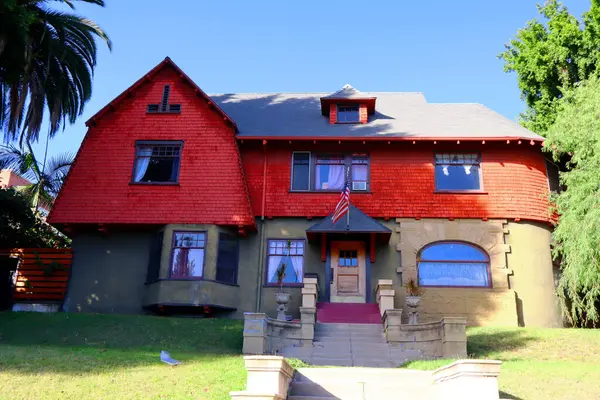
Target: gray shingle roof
397, 115
347, 92
359, 223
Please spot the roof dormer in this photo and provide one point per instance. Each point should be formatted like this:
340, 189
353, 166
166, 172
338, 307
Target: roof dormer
348, 106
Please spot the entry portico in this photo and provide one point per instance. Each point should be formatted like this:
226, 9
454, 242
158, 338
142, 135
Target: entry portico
344, 248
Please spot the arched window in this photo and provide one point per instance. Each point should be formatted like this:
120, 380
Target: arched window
453, 264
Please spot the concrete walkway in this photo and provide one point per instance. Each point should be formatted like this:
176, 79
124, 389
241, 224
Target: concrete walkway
351, 345
361, 384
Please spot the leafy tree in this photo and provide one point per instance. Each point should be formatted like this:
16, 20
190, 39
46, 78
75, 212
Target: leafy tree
576, 133
552, 56
47, 59
46, 178
20, 227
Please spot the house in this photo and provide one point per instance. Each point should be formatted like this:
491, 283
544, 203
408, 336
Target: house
178, 200
8, 178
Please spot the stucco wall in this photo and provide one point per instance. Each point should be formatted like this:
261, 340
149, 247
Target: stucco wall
521, 252
289, 228
533, 278
108, 272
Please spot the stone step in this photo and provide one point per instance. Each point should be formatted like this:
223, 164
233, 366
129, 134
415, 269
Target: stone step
349, 341
348, 327
330, 362
362, 374
311, 398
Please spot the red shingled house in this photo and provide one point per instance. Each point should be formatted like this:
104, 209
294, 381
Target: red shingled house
181, 200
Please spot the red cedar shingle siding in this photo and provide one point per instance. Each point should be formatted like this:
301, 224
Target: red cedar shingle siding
363, 114
211, 186
402, 183
332, 114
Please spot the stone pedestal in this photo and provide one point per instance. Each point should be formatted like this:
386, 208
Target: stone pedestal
269, 377
412, 304
255, 333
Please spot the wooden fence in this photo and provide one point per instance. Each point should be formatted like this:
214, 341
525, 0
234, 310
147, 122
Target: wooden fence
42, 274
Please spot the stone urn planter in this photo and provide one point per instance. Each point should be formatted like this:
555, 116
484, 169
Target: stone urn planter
282, 299
413, 300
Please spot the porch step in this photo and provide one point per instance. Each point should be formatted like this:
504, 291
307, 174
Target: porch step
348, 313
351, 345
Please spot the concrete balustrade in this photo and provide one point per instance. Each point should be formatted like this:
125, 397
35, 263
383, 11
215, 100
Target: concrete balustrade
269, 378
468, 380
264, 335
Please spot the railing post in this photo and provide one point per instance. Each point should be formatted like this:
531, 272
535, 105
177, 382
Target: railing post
308, 311
385, 295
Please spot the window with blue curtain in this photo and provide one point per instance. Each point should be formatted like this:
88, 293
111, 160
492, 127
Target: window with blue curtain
453, 264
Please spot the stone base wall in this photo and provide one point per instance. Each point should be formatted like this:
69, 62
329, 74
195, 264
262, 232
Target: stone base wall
446, 338
523, 290
478, 306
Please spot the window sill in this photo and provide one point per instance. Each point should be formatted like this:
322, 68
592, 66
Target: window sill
154, 183
328, 191
460, 192
455, 287
289, 285
191, 280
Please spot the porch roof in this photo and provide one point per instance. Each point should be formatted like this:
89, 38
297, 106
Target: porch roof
359, 223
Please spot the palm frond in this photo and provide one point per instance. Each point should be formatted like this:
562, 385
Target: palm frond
19, 161
57, 57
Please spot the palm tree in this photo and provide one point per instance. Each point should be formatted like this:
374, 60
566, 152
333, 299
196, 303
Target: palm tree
46, 178
47, 60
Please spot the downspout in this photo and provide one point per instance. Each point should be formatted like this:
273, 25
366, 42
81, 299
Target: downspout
261, 255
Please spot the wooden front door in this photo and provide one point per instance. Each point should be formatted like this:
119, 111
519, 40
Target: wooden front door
348, 267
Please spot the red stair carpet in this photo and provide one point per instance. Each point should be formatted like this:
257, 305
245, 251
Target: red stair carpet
348, 313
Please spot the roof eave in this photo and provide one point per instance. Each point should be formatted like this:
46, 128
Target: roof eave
395, 138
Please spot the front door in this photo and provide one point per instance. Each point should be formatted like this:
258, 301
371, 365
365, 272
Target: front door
348, 279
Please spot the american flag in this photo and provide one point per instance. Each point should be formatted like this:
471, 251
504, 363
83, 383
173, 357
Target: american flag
342, 206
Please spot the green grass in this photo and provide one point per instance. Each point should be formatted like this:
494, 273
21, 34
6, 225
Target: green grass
81, 356
537, 363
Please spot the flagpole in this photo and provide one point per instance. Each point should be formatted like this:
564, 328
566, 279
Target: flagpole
348, 213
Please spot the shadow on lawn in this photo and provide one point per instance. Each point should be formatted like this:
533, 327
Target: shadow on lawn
508, 396
87, 343
486, 343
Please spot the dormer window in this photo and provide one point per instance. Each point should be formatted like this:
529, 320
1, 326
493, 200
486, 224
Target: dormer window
348, 114
348, 106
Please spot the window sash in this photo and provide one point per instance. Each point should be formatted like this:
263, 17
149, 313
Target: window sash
453, 264
186, 243
457, 172
347, 114
147, 151
277, 253
227, 259
297, 164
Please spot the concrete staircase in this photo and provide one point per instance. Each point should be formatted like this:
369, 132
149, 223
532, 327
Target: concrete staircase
361, 384
351, 345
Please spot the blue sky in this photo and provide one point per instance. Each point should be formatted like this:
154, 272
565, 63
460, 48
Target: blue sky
445, 49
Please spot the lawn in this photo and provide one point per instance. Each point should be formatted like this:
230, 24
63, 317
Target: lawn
537, 363
82, 356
